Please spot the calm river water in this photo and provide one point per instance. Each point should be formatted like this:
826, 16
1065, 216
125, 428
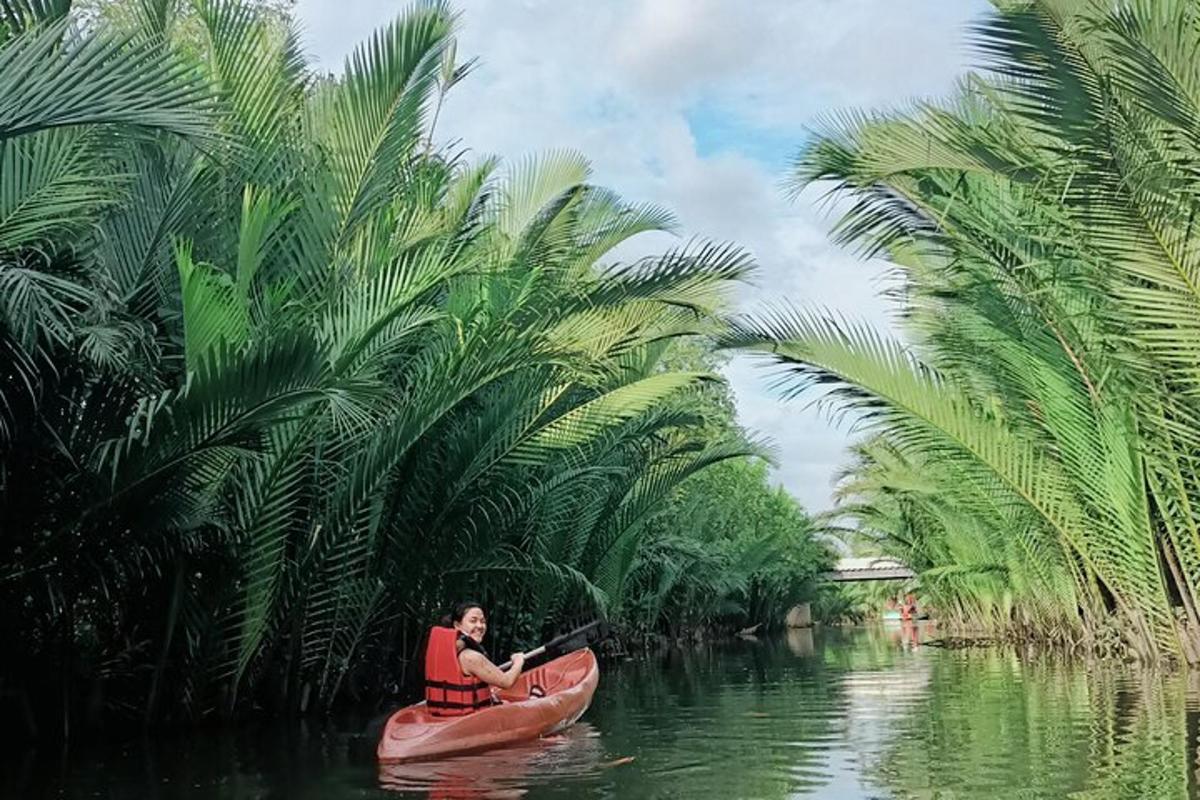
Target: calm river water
863, 713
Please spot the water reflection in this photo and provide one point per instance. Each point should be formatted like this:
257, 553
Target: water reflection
867, 713
574, 753
800, 642
994, 725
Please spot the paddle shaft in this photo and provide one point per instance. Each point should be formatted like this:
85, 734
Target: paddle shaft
537, 651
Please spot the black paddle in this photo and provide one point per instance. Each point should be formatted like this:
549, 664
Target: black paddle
557, 641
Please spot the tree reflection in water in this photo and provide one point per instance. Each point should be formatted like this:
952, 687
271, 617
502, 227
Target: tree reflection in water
1044, 726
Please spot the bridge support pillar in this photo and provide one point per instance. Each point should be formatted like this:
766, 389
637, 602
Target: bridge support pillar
800, 616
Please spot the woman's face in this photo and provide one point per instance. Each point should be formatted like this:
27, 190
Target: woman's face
473, 624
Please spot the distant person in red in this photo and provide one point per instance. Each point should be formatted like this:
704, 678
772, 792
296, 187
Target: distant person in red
909, 609
459, 676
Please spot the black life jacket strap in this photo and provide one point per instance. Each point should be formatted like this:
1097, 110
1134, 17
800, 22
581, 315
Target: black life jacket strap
471, 644
450, 686
450, 704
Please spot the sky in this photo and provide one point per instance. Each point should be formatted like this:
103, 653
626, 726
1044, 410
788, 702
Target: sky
699, 105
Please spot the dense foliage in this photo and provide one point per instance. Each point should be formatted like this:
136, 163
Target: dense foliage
280, 379
1034, 436
854, 603
731, 551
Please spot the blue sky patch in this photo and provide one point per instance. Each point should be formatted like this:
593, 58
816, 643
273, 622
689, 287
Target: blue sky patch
717, 129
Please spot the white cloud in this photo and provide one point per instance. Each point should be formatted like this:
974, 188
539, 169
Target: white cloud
616, 80
671, 45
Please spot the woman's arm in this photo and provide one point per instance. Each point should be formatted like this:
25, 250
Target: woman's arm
478, 666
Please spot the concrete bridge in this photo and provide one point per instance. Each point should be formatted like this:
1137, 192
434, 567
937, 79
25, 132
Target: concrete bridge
871, 568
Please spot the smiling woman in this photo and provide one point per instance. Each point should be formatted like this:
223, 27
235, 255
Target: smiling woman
470, 660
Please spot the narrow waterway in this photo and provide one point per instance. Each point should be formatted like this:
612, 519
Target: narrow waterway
864, 713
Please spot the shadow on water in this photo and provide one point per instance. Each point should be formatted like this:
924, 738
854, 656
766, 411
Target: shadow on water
862, 713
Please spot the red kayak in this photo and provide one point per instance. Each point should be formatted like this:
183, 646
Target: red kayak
544, 700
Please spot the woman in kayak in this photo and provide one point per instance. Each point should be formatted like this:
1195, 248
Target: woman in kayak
459, 676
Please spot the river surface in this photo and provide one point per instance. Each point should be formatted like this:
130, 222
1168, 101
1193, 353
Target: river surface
836, 713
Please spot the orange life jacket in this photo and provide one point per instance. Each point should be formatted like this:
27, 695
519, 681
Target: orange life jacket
447, 692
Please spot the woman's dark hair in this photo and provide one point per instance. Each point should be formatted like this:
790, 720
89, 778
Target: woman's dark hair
460, 610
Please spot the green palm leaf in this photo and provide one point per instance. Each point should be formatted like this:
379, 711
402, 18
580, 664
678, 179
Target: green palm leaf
105, 79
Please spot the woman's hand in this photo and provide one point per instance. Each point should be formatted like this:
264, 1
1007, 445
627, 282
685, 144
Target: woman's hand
518, 661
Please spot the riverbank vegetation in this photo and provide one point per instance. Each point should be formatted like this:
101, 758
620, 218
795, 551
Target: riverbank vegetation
857, 603
1033, 432
281, 378
729, 552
